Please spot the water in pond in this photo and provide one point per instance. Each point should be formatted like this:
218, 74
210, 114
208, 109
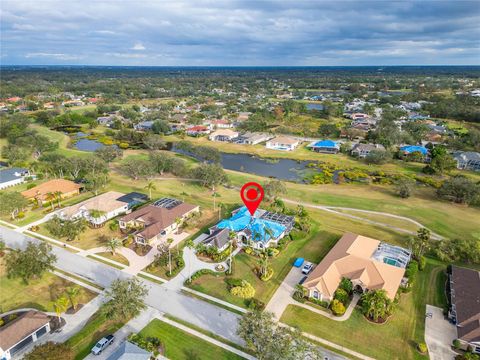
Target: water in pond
283, 169
84, 144
315, 106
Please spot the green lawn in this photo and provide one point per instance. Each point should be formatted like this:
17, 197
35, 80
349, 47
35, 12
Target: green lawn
97, 327
313, 247
117, 257
395, 339
38, 293
180, 345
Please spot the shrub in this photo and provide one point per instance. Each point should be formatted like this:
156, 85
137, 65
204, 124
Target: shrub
341, 295
245, 291
31, 185
273, 252
422, 263
2, 322
268, 275
346, 284
199, 273
20, 215
255, 304
123, 145
337, 307
422, 347
411, 271
232, 282
321, 303
248, 250
456, 344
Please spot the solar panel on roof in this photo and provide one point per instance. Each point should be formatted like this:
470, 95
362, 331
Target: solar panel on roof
167, 203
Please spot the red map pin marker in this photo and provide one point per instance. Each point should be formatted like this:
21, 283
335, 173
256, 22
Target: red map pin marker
252, 195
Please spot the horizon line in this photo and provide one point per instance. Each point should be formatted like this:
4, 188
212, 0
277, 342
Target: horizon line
244, 66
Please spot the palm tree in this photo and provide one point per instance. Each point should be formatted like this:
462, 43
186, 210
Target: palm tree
50, 196
60, 306
112, 245
169, 242
58, 196
150, 186
73, 292
376, 304
178, 221
263, 262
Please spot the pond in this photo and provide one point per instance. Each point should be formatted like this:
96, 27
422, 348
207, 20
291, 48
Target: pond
315, 106
84, 144
282, 169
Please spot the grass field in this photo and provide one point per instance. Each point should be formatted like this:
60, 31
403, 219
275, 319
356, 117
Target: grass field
117, 257
395, 339
38, 293
97, 327
180, 345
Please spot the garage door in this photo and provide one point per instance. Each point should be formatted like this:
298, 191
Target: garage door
21, 345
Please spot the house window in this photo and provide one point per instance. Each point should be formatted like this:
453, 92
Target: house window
316, 294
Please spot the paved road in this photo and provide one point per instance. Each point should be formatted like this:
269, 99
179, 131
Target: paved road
215, 319
200, 313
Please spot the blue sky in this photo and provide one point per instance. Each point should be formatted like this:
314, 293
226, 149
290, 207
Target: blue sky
246, 33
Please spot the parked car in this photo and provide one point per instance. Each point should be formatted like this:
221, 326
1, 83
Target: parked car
302, 280
102, 344
307, 268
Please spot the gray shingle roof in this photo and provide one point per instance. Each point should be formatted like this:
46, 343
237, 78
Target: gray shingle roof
10, 174
129, 351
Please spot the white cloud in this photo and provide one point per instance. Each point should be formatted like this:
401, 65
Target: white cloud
58, 56
138, 47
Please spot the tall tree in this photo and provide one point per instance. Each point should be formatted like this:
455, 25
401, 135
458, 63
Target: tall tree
376, 305
210, 175
126, 298
420, 243
150, 186
31, 262
73, 292
60, 305
50, 351
113, 245
460, 190
268, 341
12, 203
274, 189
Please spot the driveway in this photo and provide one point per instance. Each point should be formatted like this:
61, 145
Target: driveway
439, 334
283, 295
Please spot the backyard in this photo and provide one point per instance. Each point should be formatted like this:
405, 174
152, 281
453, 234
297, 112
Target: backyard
395, 339
38, 293
180, 345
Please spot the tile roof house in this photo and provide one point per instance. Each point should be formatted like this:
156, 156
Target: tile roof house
223, 135
325, 146
464, 310
362, 150
109, 205
367, 262
13, 176
156, 221
22, 331
253, 138
262, 230
467, 160
40, 192
282, 143
129, 351
198, 130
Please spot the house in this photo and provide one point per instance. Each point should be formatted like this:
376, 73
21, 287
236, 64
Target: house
467, 160
69, 103
143, 126
282, 143
242, 116
261, 231
27, 328
218, 238
49, 105
253, 138
221, 124
156, 221
223, 135
102, 208
368, 263
325, 146
14, 99
409, 149
358, 116
65, 188
464, 299
108, 120
130, 351
197, 130
13, 176
362, 150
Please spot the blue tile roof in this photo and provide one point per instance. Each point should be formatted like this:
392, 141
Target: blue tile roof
326, 144
414, 148
261, 229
